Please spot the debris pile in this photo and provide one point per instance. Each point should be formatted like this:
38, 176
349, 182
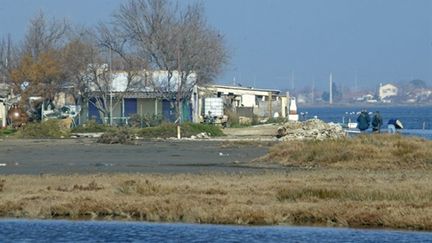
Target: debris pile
122, 136
309, 130
202, 135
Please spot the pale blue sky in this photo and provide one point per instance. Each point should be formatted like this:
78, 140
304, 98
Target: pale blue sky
379, 40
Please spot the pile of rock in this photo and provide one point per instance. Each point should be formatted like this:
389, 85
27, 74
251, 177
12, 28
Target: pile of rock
310, 129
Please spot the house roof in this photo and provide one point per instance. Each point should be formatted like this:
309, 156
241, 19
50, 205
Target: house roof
388, 85
243, 88
146, 81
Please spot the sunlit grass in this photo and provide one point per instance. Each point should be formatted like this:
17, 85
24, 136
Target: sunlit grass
393, 199
362, 152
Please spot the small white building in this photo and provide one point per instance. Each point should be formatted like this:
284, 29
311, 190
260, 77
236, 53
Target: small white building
262, 102
386, 91
3, 107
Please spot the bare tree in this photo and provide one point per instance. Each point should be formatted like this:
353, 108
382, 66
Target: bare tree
80, 57
201, 51
43, 35
87, 71
122, 59
8, 59
175, 41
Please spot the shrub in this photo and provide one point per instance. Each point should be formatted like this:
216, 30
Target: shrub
233, 118
128, 135
187, 129
147, 120
90, 126
279, 120
46, 129
118, 136
6, 132
162, 131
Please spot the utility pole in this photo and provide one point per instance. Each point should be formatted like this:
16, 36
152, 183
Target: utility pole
179, 89
292, 80
313, 91
110, 86
355, 82
331, 89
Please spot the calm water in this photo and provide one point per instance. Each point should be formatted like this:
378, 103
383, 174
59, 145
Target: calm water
414, 118
101, 231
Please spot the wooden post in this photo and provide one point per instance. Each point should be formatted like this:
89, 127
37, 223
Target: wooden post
178, 131
156, 107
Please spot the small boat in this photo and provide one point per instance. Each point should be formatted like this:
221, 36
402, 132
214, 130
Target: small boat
352, 125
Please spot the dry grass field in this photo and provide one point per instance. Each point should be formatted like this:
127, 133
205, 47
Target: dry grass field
378, 151
369, 181
326, 197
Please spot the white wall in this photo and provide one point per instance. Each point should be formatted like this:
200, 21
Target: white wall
248, 100
387, 91
3, 115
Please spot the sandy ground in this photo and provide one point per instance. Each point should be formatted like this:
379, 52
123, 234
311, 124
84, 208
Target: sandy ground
267, 131
69, 156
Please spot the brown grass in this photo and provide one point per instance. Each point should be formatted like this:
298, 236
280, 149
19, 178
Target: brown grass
362, 152
2, 182
327, 197
246, 143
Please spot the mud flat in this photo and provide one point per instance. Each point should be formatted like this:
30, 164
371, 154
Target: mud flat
69, 156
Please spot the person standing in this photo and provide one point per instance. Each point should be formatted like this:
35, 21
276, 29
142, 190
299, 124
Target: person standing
363, 121
377, 122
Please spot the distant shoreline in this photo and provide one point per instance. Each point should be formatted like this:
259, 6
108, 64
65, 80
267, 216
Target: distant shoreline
360, 105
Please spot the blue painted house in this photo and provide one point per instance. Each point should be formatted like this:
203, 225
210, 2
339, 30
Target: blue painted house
148, 94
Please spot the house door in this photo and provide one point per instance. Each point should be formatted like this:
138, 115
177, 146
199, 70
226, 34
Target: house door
93, 112
168, 110
130, 107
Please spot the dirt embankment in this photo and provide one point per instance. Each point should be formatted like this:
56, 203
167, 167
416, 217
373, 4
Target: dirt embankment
265, 132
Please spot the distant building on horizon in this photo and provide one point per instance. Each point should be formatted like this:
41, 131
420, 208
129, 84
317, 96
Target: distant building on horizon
386, 91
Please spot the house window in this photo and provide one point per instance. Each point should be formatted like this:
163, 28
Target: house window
258, 98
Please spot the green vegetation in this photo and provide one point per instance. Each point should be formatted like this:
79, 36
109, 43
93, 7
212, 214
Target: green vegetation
146, 120
362, 152
90, 126
124, 135
129, 135
279, 120
187, 129
47, 129
7, 132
